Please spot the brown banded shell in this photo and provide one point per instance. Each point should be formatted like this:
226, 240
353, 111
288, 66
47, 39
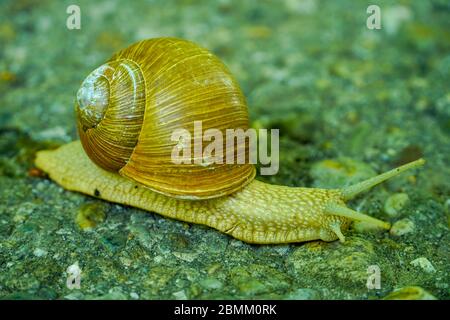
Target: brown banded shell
128, 108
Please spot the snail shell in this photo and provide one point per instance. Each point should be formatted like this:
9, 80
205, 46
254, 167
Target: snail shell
128, 108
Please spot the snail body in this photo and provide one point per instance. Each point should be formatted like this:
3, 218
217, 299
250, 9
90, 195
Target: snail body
126, 110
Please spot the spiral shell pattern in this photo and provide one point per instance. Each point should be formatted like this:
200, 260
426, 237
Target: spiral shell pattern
128, 108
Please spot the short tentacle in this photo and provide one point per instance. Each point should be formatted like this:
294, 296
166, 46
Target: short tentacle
336, 228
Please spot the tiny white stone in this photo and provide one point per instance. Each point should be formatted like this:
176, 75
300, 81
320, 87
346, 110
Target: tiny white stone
134, 295
395, 203
402, 227
180, 295
38, 252
424, 264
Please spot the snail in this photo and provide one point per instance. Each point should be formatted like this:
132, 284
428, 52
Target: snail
126, 110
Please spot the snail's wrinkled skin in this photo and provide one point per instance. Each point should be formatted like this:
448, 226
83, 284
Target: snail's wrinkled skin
259, 213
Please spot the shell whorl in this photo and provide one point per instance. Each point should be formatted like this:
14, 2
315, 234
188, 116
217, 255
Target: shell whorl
110, 109
153, 88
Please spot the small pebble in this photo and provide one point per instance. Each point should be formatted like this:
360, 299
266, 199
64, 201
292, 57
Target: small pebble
402, 227
424, 264
395, 203
125, 261
38, 252
214, 267
180, 295
18, 218
134, 295
211, 283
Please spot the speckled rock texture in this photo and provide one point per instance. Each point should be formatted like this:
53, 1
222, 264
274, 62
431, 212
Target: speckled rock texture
349, 102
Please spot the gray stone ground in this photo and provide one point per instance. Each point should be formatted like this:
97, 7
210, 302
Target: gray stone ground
349, 102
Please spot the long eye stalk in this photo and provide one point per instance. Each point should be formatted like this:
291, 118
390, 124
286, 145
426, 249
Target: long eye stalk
352, 191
